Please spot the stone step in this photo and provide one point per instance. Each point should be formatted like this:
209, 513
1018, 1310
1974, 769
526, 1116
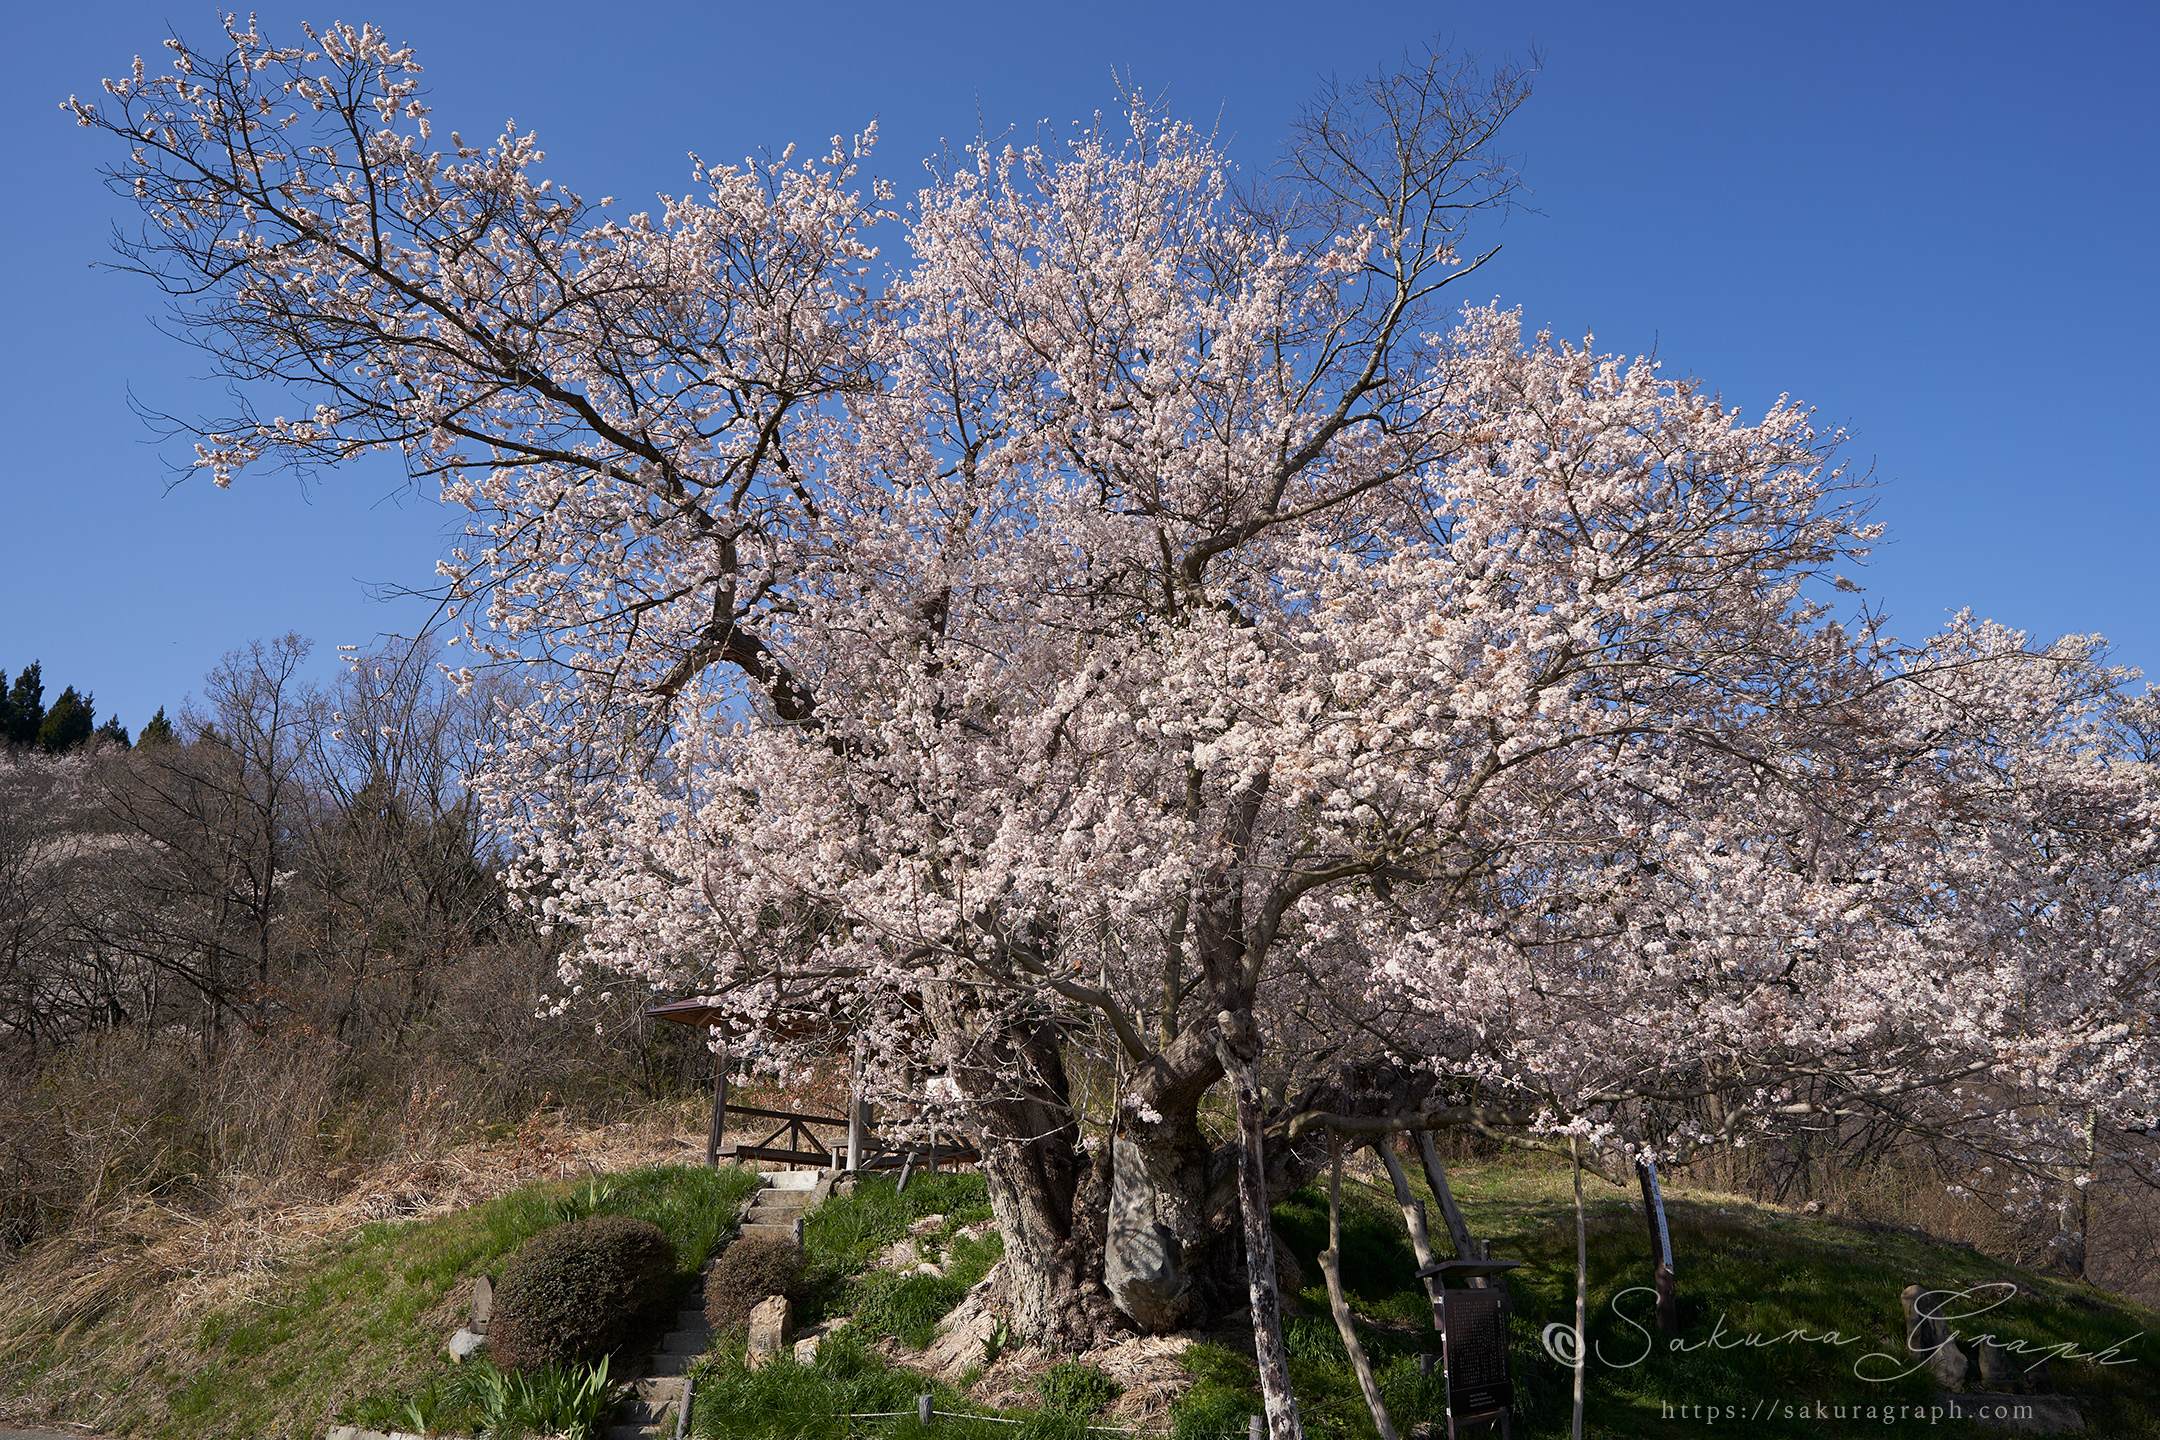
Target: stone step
773, 1214
687, 1342
632, 1432
667, 1363
791, 1179
690, 1320
646, 1412
664, 1388
753, 1230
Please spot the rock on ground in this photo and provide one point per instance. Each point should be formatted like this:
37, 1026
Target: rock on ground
772, 1330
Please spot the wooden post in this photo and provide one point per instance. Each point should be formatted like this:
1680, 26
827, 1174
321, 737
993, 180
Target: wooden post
718, 1132
1582, 1283
1661, 1257
1436, 1176
922, 1409
855, 1127
1458, 1228
1338, 1303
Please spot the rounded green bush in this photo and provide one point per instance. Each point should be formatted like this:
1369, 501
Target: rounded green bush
747, 1272
578, 1291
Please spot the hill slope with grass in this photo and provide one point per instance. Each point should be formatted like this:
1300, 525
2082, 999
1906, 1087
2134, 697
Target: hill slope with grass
354, 1327
360, 1319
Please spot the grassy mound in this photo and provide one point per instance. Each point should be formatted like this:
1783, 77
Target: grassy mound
365, 1316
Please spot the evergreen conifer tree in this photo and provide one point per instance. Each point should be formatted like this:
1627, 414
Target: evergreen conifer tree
26, 706
113, 731
157, 730
68, 724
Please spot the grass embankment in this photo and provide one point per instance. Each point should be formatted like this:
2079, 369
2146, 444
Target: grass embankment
1745, 1270
364, 1316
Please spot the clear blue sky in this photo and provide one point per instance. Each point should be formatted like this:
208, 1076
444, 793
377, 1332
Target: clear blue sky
1935, 222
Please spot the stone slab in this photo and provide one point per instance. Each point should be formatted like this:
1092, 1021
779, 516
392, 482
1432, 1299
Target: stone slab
2018, 1414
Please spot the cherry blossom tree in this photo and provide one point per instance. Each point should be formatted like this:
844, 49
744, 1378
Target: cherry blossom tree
1145, 615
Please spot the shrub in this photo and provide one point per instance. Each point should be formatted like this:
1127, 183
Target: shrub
577, 1292
748, 1271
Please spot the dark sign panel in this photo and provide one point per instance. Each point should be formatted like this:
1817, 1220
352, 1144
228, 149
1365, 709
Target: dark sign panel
1477, 1373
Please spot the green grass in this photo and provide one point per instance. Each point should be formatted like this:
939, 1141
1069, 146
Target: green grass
786, 1401
844, 1235
360, 1326
1743, 1270
357, 1327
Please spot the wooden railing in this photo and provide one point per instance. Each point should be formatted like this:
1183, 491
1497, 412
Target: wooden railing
796, 1142
801, 1145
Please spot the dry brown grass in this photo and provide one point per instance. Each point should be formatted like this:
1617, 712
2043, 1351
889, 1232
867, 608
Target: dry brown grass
94, 1316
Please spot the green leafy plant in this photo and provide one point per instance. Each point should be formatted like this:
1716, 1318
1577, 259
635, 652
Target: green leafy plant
1071, 1388
589, 1199
579, 1291
555, 1400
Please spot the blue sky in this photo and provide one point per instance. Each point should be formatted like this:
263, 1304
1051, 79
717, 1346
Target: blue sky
1934, 222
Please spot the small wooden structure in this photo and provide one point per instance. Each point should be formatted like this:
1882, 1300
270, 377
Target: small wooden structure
795, 1141
1473, 1341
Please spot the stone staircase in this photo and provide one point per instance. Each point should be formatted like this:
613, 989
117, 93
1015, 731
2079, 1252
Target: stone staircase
648, 1412
776, 1211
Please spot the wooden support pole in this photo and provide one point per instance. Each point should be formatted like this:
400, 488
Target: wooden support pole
1413, 1214
1458, 1229
1339, 1304
718, 1132
1582, 1289
857, 1123
1661, 1257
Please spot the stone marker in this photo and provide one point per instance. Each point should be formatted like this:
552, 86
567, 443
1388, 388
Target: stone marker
1925, 1334
1996, 1372
483, 1304
806, 1349
466, 1344
772, 1327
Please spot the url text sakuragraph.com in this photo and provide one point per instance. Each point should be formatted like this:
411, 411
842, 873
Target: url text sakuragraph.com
1949, 1407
